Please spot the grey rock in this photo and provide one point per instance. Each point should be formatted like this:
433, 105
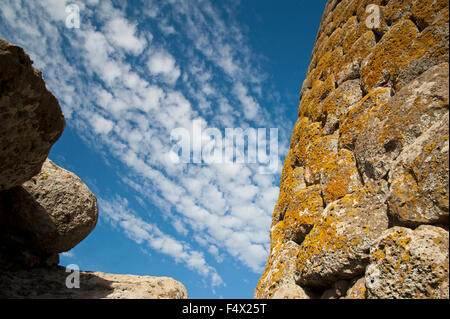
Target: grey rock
31, 120
51, 213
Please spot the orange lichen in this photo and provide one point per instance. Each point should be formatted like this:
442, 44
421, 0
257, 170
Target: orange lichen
425, 11
339, 176
311, 103
302, 213
383, 64
317, 154
357, 118
308, 134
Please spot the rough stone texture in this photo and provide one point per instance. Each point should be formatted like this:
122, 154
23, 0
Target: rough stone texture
278, 282
392, 126
409, 263
50, 283
369, 150
419, 179
337, 291
357, 289
30, 117
290, 291
51, 213
338, 245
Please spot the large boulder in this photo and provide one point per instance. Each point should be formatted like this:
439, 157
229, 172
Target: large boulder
50, 283
51, 213
31, 120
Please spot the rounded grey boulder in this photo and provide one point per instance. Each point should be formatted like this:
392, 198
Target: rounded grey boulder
51, 213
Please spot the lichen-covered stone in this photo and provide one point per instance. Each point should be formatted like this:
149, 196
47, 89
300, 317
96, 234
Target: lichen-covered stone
409, 263
357, 289
31, 120
279, 272
302, 212
317, 153
420, 180
358, 116
339, 176
337, 103
381, 65
311, 103
402, 119
337, 247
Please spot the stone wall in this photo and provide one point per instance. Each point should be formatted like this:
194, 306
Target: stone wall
363, 209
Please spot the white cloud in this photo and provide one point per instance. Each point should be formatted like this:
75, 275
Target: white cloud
68, 254
251, 107
56, 8
101, 125
123, 34
163, 63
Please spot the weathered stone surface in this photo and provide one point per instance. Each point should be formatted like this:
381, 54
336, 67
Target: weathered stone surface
370, 144
339, 176
338, 245
290, 291
353, 123
338, 102
303, 211
30, 117
391, 126
357, 289
278, 282
337, 291
317, 153
381, 65
48, 214
50, 283
409, 263
420, 181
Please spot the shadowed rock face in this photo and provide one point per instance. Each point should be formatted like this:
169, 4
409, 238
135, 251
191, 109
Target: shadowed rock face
50, 283
368, 153
31, 120
51, 213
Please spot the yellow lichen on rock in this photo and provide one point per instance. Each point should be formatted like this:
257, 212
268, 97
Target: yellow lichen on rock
382, 64
336, 247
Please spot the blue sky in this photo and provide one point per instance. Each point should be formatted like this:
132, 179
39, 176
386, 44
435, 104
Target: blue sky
133, 72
